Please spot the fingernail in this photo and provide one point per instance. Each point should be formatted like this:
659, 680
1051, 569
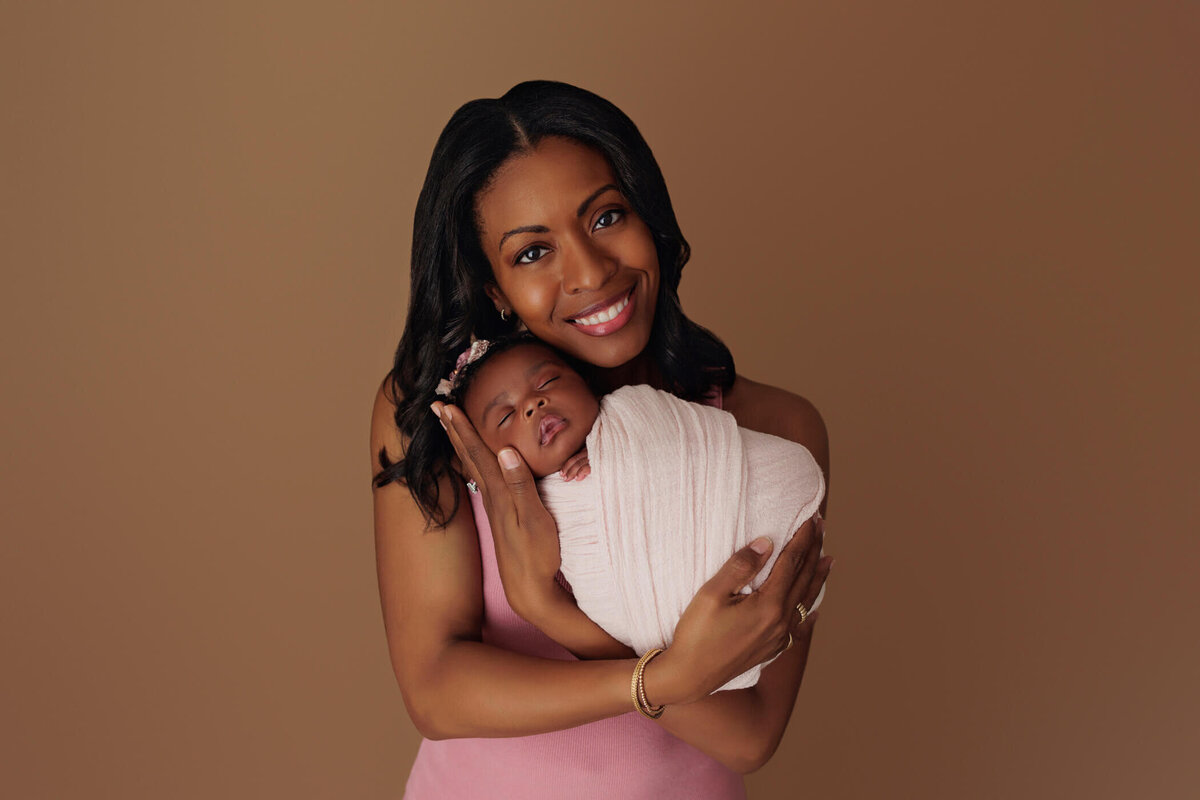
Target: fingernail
831, 563
761, 545
435, 408
508, 459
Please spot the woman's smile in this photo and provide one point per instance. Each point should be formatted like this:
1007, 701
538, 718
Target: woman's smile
602, 319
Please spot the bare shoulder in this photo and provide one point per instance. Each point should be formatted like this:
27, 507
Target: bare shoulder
769, 409
384, 432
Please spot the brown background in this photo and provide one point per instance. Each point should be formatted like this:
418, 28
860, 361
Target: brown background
967, 234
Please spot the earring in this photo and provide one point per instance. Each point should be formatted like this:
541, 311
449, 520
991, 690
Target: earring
503, 315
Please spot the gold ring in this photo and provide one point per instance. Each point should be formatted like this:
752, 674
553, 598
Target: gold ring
803, 612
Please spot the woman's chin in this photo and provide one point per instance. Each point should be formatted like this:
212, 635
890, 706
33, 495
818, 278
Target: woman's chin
609, 352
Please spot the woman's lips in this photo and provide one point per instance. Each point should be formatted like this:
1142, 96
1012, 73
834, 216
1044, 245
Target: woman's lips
550, 425
609, 318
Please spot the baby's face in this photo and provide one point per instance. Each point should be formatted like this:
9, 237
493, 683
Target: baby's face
527, 398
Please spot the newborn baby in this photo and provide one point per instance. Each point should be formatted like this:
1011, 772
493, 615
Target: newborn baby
651, 494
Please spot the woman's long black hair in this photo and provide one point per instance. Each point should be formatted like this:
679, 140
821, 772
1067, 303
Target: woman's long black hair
449, 270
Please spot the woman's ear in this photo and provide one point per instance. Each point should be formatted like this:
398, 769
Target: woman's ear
496, 295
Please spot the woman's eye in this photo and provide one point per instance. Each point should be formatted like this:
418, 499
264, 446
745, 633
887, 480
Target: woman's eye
521, 256
609, 215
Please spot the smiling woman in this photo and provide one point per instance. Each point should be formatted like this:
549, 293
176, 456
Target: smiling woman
545, 210
586, 241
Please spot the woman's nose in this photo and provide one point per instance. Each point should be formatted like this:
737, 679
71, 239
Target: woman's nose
588, 268
533, 404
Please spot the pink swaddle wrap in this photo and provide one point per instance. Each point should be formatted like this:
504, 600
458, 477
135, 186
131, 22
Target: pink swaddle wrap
675, 489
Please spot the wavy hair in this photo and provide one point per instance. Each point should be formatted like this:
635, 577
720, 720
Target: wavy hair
447, 303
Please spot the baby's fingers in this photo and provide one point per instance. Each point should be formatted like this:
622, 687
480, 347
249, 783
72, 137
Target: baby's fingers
576, 472
576, 467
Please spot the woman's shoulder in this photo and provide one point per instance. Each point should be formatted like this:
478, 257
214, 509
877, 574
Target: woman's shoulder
388, 440
384, 432
769, 409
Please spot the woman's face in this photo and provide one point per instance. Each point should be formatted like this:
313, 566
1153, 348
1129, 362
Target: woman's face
569, 256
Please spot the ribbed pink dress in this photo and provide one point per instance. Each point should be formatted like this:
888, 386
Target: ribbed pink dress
627, 757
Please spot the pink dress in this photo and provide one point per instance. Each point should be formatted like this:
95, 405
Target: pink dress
627, 756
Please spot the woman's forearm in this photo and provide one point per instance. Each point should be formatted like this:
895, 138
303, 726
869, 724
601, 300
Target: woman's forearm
477, 690
558, 616
742, 728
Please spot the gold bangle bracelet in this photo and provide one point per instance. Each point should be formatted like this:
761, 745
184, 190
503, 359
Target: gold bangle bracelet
637, 687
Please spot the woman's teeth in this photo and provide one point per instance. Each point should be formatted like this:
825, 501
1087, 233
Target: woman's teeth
606, 315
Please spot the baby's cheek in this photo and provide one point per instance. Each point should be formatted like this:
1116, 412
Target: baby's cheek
495, 443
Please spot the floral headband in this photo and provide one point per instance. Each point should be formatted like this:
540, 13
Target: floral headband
446, 386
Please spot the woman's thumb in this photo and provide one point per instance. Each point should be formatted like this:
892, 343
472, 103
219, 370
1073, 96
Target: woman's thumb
743, 566
761, 545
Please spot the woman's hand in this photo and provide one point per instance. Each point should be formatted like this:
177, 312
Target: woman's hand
526, 538
723, 633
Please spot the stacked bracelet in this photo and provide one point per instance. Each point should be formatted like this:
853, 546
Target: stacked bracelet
637, 688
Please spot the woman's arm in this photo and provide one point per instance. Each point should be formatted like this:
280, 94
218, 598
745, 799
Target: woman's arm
430, 584
454, 685
741, 728
746, 725
558, 616
769, 409
527, 544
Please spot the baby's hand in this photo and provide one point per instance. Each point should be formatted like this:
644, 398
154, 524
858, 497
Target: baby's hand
576, 468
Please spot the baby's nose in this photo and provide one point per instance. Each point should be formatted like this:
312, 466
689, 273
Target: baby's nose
534, 405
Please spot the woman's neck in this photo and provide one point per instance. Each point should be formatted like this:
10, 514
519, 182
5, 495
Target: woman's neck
642, 369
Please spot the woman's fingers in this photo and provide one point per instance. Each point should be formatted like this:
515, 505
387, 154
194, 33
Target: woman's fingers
522, 487
809, 598
787, 569
477, 458
738, 570
808, 568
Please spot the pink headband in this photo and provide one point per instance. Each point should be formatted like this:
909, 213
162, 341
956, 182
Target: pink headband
446, 386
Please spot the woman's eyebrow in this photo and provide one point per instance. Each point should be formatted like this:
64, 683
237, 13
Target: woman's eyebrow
543, 229
584, 205
522, 229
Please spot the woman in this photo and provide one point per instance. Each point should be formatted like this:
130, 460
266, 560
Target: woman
546, 209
